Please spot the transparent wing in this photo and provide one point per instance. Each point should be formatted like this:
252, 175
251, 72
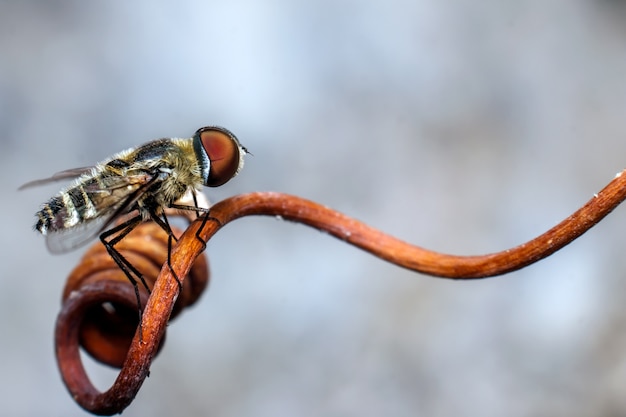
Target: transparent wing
62, 241
59, 176
111, 198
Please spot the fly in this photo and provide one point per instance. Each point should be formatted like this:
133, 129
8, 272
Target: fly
144, 181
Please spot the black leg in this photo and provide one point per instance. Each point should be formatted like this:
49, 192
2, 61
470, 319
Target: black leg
121, 231
165, 225
195, 203
205, 218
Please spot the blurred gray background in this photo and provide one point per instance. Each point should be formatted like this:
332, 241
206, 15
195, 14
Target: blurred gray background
463, 127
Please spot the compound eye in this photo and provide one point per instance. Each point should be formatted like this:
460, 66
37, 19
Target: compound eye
223, 150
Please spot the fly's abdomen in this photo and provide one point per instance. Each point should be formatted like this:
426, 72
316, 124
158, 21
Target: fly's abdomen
65, 211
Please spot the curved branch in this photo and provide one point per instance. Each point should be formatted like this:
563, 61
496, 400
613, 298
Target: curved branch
359, 234
414, 257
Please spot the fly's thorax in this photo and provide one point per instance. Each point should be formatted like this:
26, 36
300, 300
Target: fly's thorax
186, 168
173, 169
180, 172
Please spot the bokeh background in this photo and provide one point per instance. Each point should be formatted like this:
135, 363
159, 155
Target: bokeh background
460, 126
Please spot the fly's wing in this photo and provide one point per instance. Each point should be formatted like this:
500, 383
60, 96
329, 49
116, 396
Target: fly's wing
108, 198
59, 176
65, 240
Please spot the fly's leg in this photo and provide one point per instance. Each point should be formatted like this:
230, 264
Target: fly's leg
206, 218
119, 232
198, 210
195, 203
165, 225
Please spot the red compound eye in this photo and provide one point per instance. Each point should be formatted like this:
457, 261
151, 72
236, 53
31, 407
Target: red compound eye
223, 151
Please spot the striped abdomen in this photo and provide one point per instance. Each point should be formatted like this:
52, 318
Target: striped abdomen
66, 210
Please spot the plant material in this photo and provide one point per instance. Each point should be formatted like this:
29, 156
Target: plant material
193, 241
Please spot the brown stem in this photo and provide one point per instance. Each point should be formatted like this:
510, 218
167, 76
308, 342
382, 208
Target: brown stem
352, 231
99, 311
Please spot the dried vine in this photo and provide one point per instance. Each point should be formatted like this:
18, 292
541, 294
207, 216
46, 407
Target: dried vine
191, 244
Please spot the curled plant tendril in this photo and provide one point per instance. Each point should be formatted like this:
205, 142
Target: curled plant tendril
296, 209
108, 326
99, 310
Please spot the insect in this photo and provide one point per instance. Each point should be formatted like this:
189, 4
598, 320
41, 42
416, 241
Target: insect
144, 180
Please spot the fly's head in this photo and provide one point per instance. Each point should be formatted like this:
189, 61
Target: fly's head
219, 154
